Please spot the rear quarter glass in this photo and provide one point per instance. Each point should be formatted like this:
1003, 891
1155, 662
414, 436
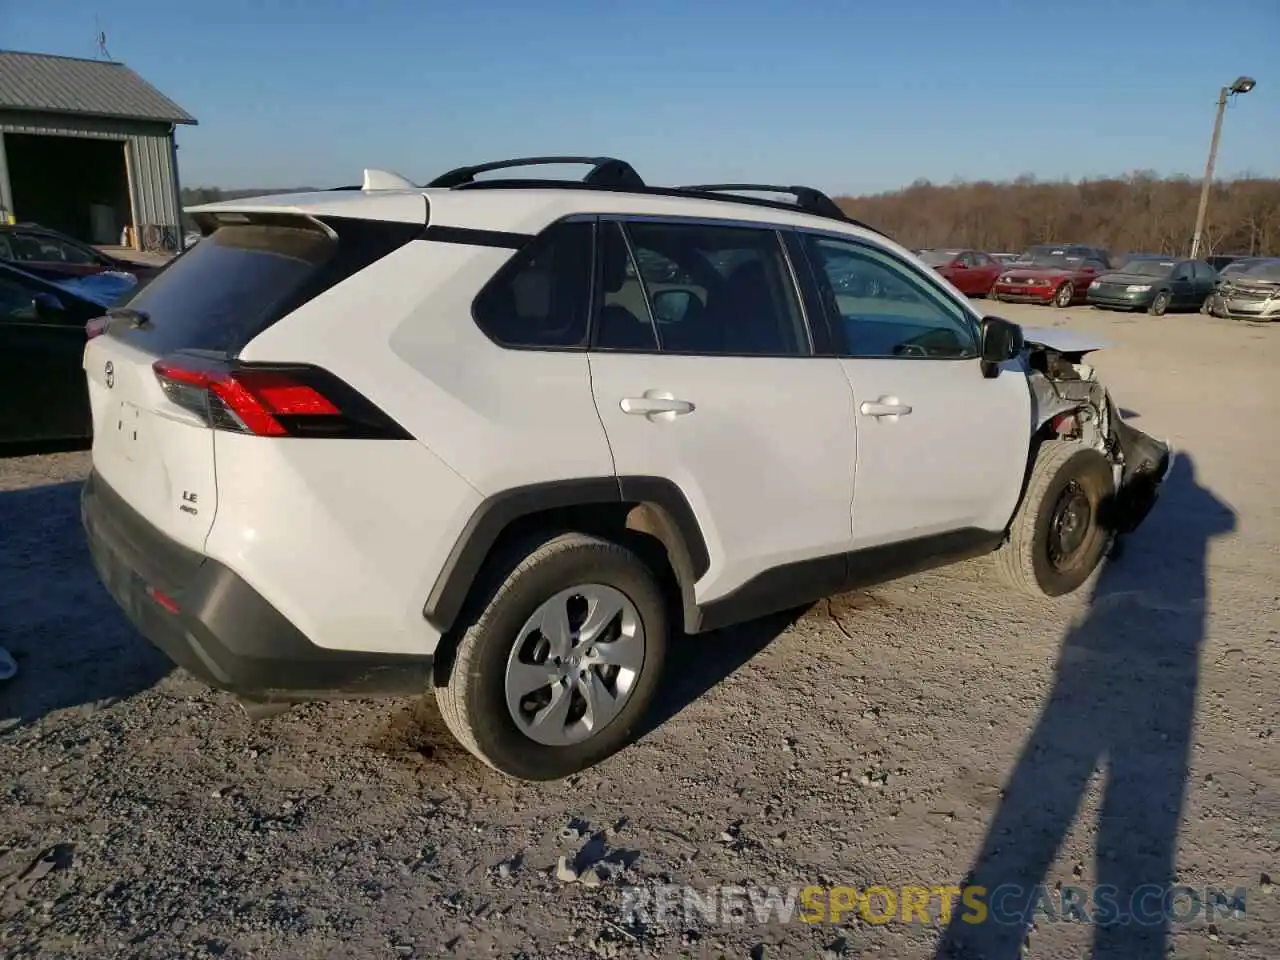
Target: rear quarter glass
243, 277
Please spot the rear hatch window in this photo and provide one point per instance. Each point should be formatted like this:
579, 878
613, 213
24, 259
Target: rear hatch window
245, 275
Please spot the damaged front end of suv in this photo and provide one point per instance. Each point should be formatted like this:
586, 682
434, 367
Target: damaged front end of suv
1069, 403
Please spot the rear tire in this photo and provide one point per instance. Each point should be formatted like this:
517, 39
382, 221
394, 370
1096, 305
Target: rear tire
1065, 295
1160, 305
606, 668
1061, 529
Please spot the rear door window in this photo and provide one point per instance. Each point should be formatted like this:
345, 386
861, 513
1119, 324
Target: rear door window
27, 300
700, 290
29, 248
17, 302
73, 253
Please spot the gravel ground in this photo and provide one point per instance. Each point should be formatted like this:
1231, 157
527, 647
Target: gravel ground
916, 733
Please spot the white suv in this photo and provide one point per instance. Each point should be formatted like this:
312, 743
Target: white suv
506, 438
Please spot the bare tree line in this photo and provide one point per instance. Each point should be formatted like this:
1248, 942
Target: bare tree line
1137, 212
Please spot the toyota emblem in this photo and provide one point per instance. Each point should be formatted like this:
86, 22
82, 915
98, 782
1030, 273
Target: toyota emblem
109, 372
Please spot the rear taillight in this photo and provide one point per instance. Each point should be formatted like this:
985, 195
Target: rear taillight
95, 327
164, 600
271, 400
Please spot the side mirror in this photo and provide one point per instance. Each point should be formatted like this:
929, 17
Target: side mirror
1001, 341
671, 306
47, 305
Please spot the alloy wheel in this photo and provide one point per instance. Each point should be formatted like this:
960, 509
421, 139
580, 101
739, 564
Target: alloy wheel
574, 664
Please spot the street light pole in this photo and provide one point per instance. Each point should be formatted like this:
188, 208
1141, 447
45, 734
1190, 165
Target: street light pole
1242, 85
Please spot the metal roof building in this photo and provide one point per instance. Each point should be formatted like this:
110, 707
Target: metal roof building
87, 147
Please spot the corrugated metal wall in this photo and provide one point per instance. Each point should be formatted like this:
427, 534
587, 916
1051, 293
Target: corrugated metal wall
153, 180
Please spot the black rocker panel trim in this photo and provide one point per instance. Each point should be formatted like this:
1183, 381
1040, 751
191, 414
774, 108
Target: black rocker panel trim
797, 584
496, 513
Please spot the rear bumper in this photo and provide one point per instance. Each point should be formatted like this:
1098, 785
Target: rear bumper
209, 621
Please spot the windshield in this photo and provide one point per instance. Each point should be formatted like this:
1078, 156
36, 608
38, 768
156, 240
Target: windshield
937, 258
1267, 270
1149, 268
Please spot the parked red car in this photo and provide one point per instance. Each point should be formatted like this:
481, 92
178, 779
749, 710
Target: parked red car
50, 254
1052, 273
972, 272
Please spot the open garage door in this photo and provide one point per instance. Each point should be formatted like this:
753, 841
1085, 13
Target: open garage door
78, 185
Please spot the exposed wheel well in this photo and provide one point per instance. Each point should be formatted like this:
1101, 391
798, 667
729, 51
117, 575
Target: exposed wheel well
643, 527
646, 528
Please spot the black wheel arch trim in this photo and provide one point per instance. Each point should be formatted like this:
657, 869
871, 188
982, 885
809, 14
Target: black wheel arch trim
668, 517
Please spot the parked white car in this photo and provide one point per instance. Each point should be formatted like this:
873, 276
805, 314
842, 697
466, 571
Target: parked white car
510, 439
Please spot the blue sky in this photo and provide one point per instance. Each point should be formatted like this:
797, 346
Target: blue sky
852, 96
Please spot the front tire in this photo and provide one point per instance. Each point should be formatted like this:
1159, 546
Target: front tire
1061, 529
553, 674
1160, 305
1066, 293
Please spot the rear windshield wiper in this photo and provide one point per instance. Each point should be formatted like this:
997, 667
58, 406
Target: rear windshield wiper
138, 319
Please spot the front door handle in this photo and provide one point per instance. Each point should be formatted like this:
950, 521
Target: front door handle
884, 407
656, 405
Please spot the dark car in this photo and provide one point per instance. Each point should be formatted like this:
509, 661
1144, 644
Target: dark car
972, 272
1052, 251
1154, 283
1057, 273
1238, 266
47, 253
1221, 260
42, 336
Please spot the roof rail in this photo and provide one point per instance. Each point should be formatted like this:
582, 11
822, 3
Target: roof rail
808, 199
605, 171
609, 173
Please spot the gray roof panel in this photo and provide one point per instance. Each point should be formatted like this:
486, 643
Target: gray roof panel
98, 88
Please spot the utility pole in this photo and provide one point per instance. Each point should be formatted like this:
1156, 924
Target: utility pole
1242, 85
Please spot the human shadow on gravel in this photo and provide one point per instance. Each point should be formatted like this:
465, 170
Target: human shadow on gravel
696, 665
1123, 702
72, 644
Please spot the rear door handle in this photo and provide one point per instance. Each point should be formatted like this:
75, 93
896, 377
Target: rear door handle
656, 405
884, 407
